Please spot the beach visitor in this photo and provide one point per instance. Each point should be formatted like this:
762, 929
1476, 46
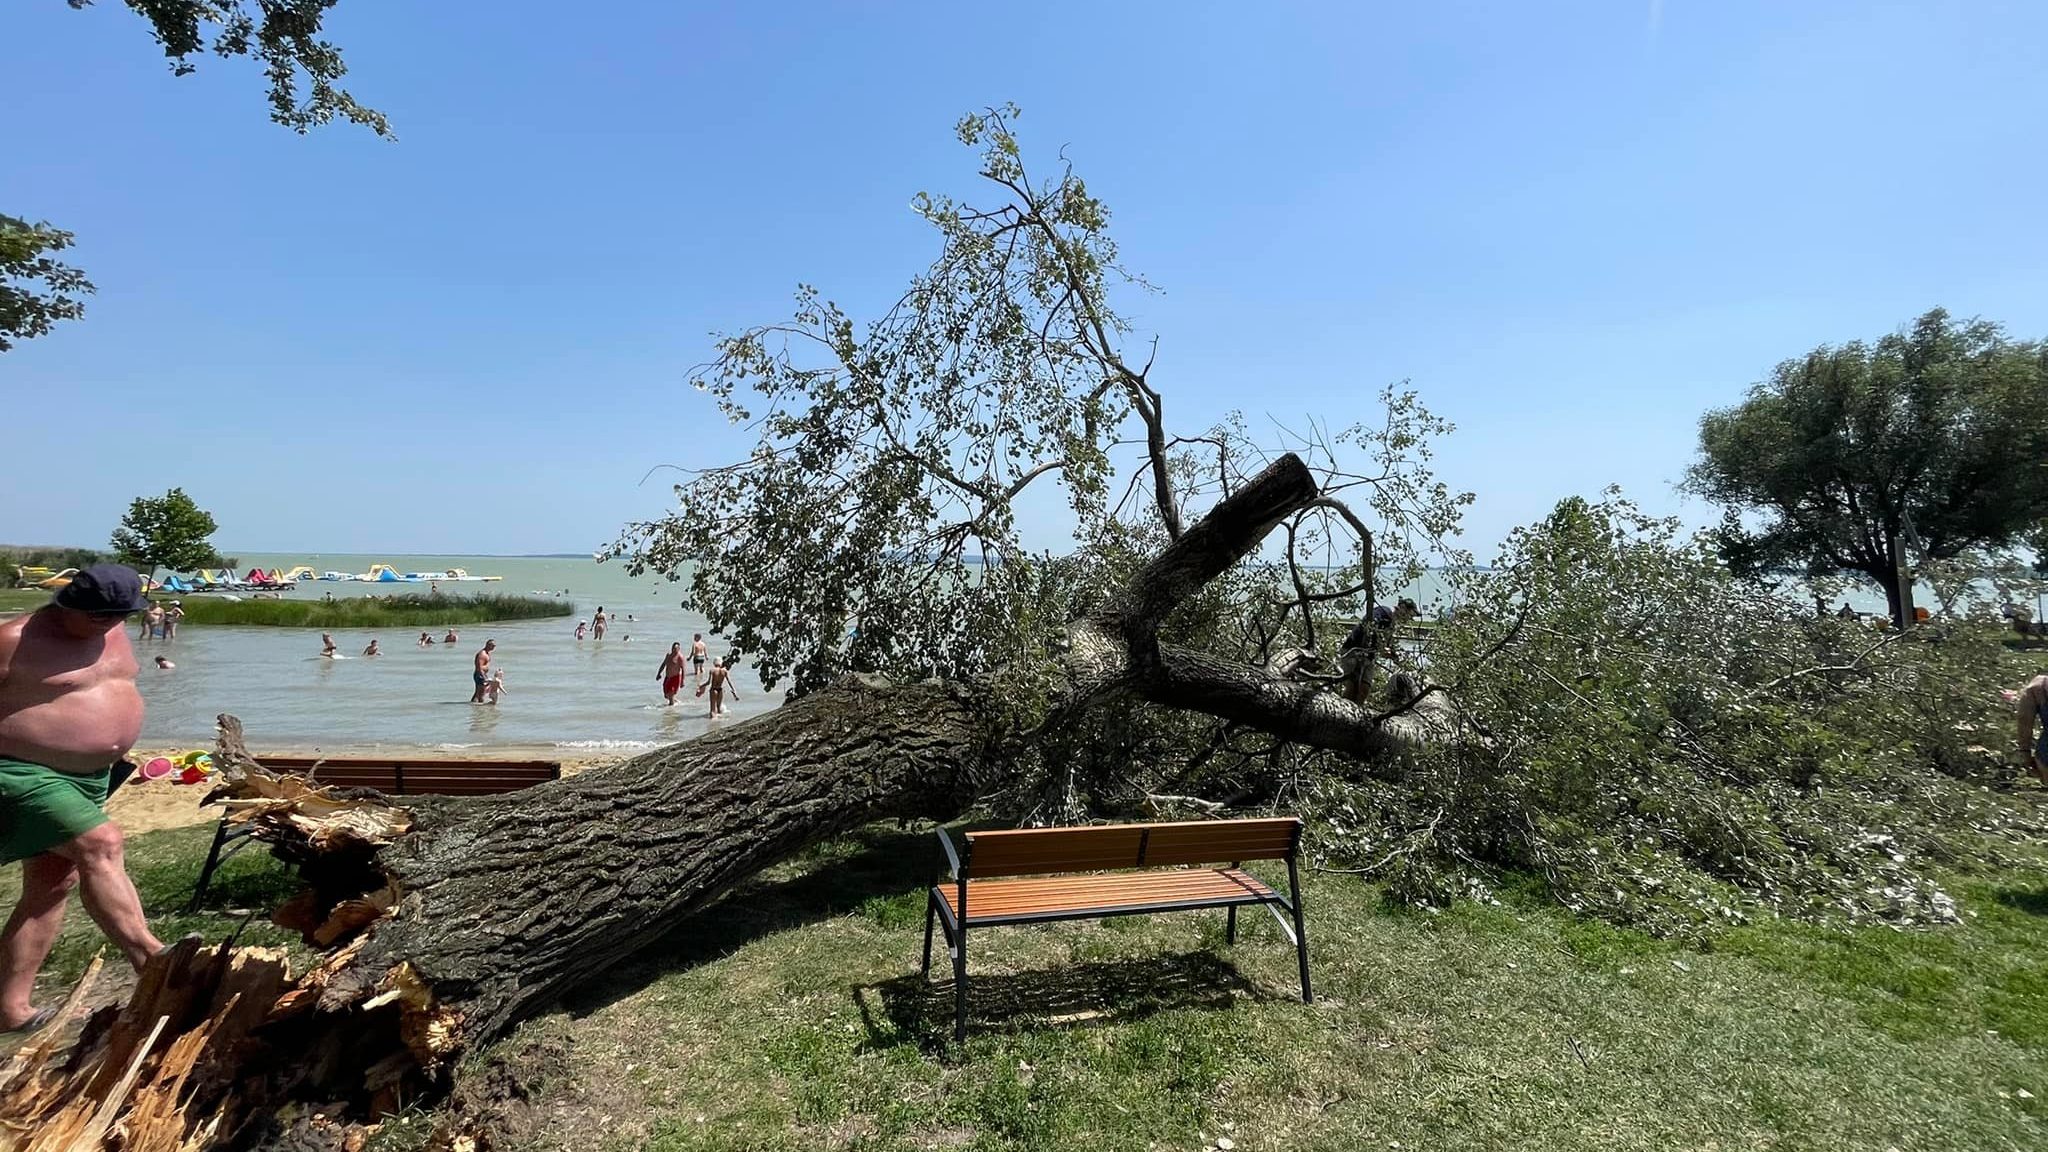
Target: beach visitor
480, 673
719, 684
2032, 710
698, 654
172, 615
581, 628
451, 637
327, 647
68, 711
426, 641
163, 664
153, 622
494, 687
597, 624
626, 639
671, 673
371, 649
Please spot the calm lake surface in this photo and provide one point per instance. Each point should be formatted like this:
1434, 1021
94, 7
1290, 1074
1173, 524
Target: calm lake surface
586, 696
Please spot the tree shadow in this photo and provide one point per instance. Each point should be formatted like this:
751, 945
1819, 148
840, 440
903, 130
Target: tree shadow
916, 1010
886, 862
2033, 901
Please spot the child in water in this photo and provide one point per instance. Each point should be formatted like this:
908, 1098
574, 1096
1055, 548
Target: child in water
494, 687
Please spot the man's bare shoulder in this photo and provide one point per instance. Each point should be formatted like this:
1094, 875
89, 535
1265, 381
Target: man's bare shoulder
10, 638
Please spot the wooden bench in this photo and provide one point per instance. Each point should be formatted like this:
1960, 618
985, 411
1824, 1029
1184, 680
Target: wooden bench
1035, 875
392, 777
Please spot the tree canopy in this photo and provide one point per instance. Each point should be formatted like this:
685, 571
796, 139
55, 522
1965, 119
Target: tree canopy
873, 526
303, 70
168, 531
36, 291
1935, 437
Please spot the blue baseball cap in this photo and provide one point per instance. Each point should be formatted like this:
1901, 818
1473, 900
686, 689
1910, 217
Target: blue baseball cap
103, 590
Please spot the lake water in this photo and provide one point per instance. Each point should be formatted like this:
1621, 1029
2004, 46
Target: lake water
586, 696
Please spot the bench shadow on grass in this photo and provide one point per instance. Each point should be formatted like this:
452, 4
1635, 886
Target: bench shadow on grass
2033, 901
916, 1010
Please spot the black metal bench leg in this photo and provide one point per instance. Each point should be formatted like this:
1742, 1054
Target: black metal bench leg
1230, 926
1300, 932
960, 983
220, 837
931, 915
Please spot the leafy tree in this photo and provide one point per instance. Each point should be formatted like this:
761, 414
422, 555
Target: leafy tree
282, 35
35, 290
303, 73
168, 531
1934, 438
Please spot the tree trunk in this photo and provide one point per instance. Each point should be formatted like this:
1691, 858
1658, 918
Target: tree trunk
448, 919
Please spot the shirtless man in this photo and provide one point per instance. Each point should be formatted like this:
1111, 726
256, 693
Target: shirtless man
2033, 708
671, 674
68, 711
451, 637
698, 654
172, 614
371, 649
719, 684
597, 624
327, 646
481, 673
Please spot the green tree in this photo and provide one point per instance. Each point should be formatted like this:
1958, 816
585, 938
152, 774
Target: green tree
1930, 443
168, 531
281, 35
35, 290
303, 72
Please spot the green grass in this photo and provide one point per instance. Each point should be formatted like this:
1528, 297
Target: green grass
791, 1017
409, 610
22, 599
165, 866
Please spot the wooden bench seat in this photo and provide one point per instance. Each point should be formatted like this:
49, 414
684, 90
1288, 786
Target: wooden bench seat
1035, 875
1040, 898
393, 777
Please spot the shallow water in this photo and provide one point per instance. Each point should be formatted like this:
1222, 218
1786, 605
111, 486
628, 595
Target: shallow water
559, 692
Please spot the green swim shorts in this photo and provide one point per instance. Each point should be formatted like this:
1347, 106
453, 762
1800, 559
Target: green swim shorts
41, 808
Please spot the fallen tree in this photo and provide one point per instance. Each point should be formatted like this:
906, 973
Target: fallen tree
443, 921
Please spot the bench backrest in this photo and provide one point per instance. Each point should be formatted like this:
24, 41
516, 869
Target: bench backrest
1043, 851
422, 777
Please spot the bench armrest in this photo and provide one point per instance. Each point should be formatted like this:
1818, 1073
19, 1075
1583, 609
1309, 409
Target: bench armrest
952, 854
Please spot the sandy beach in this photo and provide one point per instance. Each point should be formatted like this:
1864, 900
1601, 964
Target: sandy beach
149, 805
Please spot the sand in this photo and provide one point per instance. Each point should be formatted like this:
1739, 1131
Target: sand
151, 805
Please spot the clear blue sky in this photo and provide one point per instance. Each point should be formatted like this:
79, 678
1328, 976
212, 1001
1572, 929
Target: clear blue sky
1571, 226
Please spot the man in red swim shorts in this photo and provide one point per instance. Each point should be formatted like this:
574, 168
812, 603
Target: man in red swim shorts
671, 674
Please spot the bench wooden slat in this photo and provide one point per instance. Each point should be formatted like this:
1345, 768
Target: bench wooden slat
993, 900
1053, 850
1223, 843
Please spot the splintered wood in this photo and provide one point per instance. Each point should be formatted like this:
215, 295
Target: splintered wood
158, 1073
214, 1038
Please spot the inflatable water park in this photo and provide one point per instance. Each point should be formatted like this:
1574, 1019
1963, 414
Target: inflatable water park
258, 580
